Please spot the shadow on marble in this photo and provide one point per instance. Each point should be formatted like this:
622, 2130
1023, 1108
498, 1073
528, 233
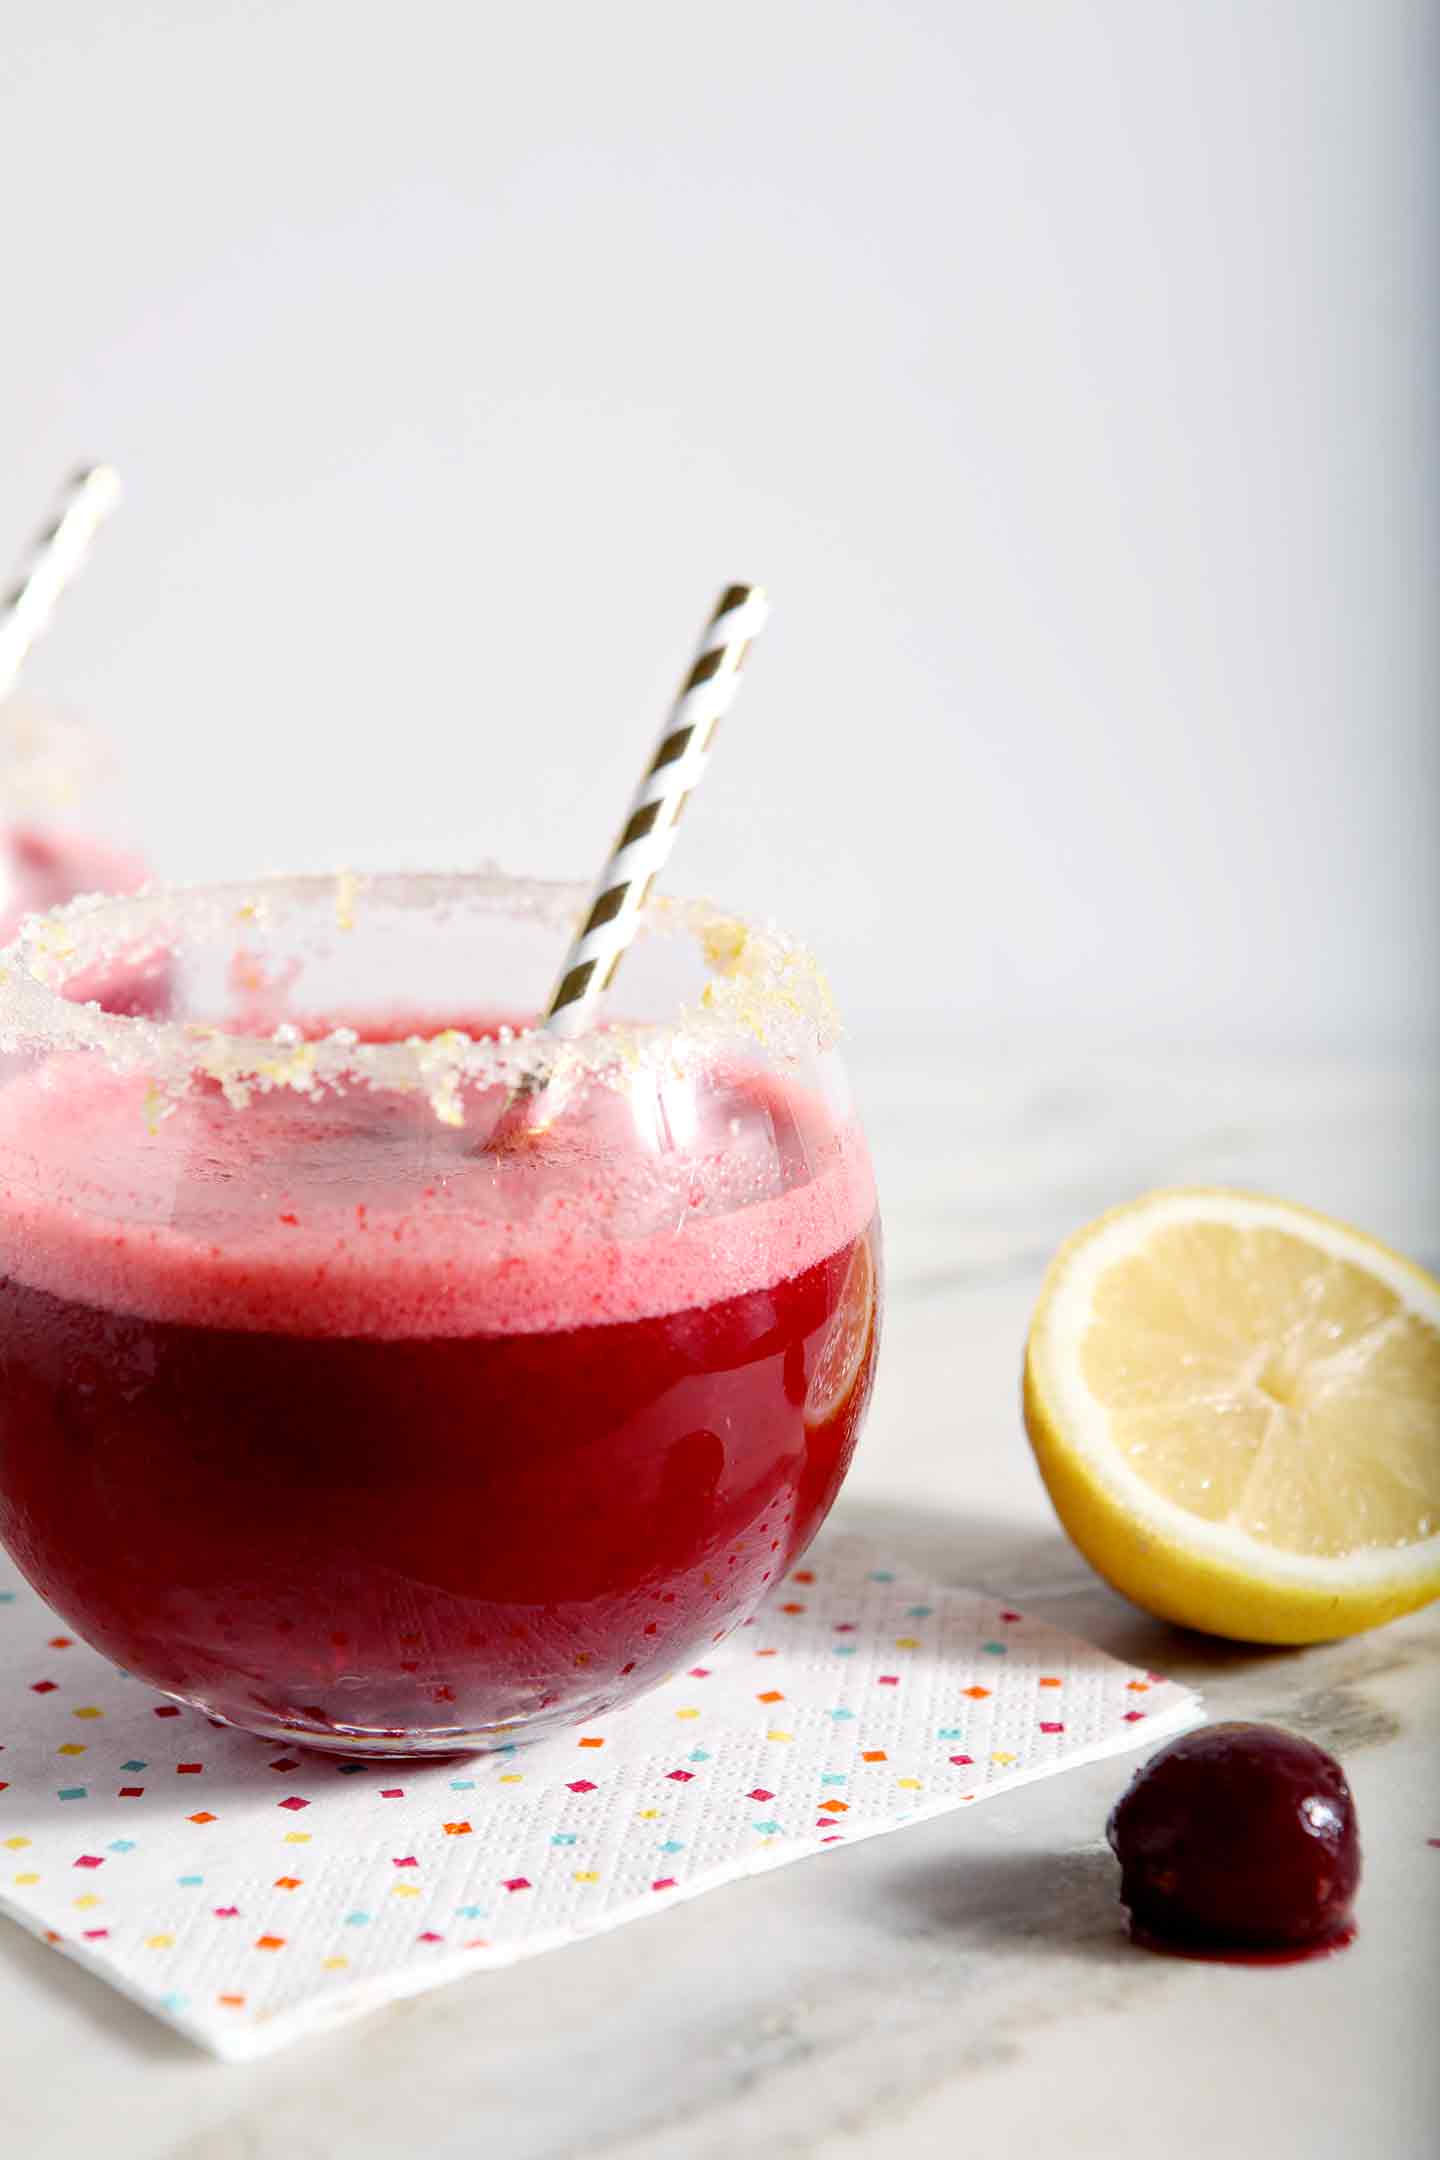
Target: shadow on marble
38, 1969
970, 1550
1015, 1902
1043, 1572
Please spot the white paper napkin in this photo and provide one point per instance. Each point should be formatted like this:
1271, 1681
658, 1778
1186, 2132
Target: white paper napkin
248, 1892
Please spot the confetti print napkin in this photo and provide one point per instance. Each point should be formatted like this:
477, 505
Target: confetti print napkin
248, 1892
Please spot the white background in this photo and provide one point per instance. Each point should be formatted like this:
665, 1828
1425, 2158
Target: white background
1066, 370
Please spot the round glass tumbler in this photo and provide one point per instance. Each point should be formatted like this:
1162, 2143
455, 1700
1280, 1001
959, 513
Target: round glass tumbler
379, 1375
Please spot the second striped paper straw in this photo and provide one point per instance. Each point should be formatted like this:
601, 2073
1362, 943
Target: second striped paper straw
649, 830
55, 557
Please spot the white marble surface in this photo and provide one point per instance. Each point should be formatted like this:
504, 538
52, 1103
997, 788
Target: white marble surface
964, 1985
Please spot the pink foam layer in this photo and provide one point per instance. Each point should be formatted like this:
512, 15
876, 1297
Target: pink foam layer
92, 1208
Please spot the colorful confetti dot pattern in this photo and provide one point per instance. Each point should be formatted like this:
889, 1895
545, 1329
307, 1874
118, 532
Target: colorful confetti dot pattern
178, 1873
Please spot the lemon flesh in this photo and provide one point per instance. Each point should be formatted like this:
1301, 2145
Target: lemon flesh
847, 1345
1235, 1405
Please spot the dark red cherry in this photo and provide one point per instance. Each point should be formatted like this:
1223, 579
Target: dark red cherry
1238, 1837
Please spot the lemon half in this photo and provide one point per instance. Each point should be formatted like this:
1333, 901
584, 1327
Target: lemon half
1235, 1406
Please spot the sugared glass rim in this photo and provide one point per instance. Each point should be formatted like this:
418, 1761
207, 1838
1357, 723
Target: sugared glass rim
763, 988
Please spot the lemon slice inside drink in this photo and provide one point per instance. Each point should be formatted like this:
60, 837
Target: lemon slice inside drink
1235, 1406
845, 1348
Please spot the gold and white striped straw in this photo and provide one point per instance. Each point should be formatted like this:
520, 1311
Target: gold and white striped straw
55, 556
648, 833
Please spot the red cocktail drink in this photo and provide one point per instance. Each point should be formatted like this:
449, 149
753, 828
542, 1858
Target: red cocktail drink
45, 861
47, 762
42, 866
320, 1412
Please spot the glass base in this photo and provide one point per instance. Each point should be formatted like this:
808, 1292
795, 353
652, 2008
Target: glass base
361, 1743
